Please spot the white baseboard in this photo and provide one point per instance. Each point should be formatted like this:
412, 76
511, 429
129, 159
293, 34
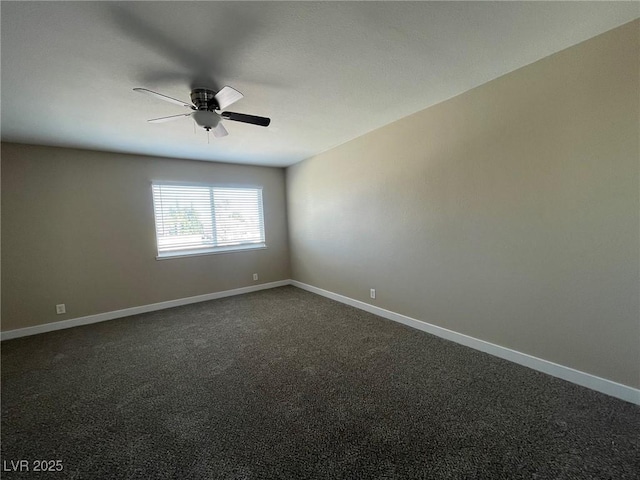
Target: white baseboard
593, 382
101, 317
599, 384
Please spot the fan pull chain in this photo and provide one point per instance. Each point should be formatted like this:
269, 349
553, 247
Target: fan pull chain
207, 137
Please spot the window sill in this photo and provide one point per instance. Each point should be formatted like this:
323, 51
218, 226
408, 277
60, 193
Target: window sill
209, 251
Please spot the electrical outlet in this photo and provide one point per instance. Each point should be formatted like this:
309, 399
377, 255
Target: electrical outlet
255, 276
61, 308
372, 293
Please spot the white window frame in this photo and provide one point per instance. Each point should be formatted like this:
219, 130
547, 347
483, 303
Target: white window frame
163, 254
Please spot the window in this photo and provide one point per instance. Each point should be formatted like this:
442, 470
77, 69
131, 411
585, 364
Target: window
200, 219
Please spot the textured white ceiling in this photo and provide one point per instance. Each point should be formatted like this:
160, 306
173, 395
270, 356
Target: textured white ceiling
325, 72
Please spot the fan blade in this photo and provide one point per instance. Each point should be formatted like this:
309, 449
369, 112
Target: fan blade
168, 119
225, 97
244, 118
220, 131
163, 97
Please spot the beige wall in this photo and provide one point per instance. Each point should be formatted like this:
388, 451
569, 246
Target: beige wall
509, 213
78, 229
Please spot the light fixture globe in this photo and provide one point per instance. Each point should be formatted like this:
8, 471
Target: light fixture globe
206, 119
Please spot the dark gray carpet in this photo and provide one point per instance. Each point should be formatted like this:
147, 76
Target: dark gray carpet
286, 384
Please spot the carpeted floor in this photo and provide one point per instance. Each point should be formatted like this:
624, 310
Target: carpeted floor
286, 384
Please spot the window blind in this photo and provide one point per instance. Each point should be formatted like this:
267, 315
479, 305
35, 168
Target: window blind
196, 219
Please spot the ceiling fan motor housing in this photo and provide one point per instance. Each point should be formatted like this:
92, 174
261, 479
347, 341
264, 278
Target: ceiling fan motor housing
201, 98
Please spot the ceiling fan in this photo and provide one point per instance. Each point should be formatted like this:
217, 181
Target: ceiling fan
205, 109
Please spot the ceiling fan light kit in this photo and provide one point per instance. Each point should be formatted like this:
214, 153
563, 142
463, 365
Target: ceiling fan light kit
206, 105
206, 119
